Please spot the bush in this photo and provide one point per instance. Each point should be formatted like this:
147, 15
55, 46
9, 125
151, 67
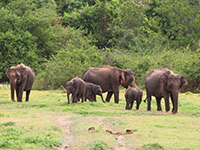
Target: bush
152, 146
179, 61
9, 123
47, 141
11, 138
77, 54
100, 145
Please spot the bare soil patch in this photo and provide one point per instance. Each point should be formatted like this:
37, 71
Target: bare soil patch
65, 124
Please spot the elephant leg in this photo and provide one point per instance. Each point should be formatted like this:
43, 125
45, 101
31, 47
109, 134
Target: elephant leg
116, 94
68, 97
27, 95
167, 107
131, 106
20, 94
158, 100
172, 101
83, 96
17, 92
127, 106
12, 93
95, 97
138, 104
174, 96
149, 103
73, 98
108, 97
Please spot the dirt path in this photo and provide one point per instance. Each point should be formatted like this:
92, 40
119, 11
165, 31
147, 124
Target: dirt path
121, 140
65, 123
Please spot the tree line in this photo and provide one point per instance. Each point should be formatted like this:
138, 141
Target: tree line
60, 39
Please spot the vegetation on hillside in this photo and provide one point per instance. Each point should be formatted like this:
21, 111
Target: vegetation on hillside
60, 39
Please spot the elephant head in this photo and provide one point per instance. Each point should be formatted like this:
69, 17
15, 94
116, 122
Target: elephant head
126, 78
171, 83
97, 90
69, 86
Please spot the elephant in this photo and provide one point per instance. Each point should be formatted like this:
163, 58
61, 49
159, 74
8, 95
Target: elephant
164, 83
21, 79
92, 90
109, 78
77, 88
132, 94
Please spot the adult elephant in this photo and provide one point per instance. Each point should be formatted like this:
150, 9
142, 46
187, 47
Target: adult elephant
164, 83
21, 79
109, 78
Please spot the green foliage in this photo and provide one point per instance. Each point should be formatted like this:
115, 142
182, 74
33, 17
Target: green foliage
152, 146
93, 18
177, 20
9, 123
60, 39
14, 139
69, 62
99, 145
26, 33
10, 138
47, 141
179, 61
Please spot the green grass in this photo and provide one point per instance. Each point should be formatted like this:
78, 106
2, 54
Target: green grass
37, 124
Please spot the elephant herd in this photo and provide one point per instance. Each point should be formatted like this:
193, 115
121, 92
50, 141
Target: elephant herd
160, 83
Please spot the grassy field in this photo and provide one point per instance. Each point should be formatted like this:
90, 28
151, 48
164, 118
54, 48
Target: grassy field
48, 122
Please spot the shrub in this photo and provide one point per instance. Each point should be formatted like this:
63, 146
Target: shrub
179, 61
152, 146
99, 145
9, 123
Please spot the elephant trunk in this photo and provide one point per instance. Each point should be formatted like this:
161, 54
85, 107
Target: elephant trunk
175, 101
12, 88
102, 98
132, 84
68, 97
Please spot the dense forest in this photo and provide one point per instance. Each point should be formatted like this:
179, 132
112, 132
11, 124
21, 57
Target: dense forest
59, 39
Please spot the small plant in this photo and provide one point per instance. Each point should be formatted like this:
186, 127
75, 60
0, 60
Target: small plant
47, 141
10, 138
9, 123
152, 146
99, 145
2, 115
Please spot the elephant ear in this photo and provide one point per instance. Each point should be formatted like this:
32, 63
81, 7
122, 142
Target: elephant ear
122, 79
183, 81
164, 78
141, 93
23, 72
8, 73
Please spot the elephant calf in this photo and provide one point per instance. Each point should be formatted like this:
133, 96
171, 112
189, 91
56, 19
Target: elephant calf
77, 88
92, 90
132, 93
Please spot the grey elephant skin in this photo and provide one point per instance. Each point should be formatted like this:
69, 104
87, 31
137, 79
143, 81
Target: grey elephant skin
21, 79
92, 90
109, 78
77, 88
133, 94
164, 83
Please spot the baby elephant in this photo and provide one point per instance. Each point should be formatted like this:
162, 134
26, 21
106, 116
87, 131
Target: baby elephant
132, 93
77, 88
92, 90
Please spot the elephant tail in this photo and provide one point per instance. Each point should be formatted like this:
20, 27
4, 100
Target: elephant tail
145, 99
